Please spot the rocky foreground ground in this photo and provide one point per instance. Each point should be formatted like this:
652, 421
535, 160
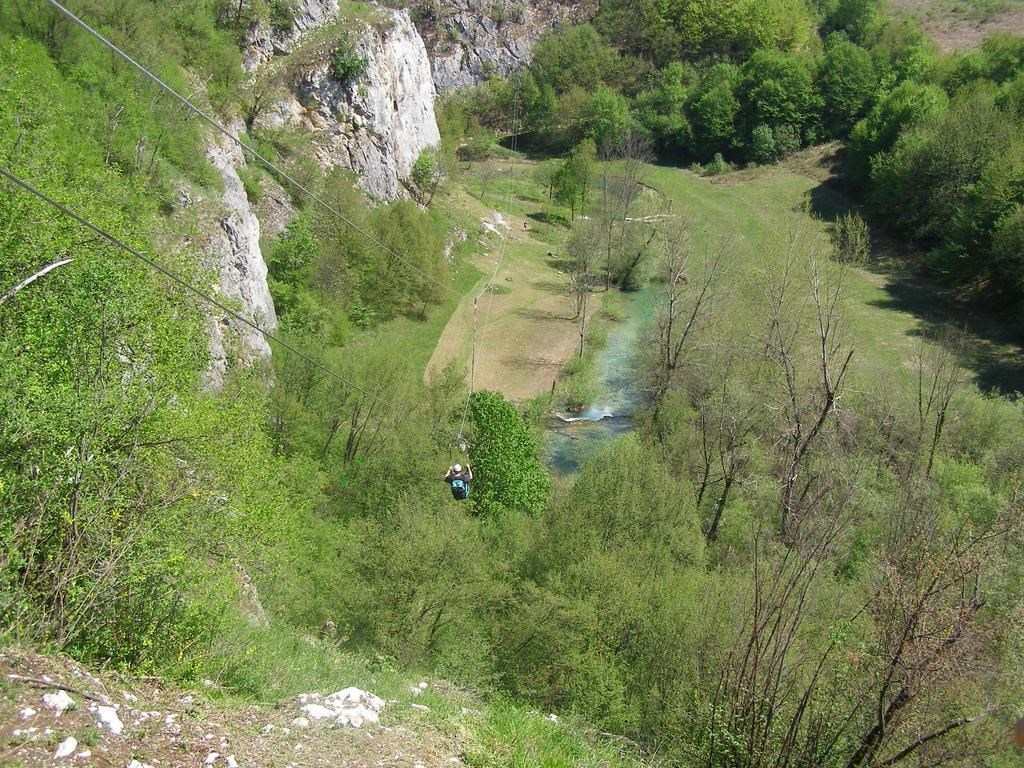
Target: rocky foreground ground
53, 712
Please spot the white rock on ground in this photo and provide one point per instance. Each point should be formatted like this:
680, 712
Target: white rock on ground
495, 222
28, 712
137, 764
351, 707
108, 718
84, 755
66, 748
59, 702
316, 712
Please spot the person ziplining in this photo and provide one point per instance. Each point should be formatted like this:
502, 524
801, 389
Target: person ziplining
459, 481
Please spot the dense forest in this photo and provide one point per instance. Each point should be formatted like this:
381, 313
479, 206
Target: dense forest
801, 556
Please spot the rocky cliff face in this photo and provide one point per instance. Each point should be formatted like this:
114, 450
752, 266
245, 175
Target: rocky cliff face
232, 247
469, 40
377, 125
263, 43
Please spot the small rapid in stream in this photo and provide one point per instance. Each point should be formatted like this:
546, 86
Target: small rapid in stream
573, 436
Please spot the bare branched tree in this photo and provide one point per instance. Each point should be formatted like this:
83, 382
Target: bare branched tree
940, 374
620, 184
806, 408
726, 426
582, 250
684, 309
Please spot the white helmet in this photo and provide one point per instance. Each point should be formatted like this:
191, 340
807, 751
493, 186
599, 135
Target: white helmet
457, 467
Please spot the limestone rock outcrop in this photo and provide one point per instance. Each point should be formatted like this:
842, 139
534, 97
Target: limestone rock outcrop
232, 249
262, 43
377, 125
469, 40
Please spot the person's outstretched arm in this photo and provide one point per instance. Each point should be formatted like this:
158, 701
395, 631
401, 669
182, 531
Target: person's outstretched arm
448, 473
469, 471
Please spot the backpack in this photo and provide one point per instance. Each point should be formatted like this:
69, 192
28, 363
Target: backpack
460, 489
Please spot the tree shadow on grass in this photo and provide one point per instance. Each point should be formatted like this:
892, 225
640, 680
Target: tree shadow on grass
549, 286
551, 219
993, 345
995, 339
540, 314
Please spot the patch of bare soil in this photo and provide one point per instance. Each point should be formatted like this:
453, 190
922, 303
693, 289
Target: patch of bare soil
523, 325
955, 26
54, 712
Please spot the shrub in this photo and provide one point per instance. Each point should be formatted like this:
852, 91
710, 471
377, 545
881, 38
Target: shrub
250, 177
718, 165
508, 474
347, 66
762, 144
282, 14
787, 140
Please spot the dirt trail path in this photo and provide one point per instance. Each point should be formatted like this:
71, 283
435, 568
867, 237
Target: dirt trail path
524, 327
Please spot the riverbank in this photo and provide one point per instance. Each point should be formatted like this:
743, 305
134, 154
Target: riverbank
598, 397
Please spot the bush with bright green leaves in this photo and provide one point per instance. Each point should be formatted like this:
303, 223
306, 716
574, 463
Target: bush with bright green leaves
128, 494
507, 475
346, 63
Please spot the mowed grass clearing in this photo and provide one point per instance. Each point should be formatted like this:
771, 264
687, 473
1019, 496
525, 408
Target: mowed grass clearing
522, 323
886, 311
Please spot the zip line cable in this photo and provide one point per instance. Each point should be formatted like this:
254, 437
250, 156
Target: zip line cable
245, 147
174, 277
508, 212
487, 285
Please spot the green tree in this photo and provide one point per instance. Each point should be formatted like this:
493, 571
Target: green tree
1004, 56
715, 109
610, 120
427, 174
1008, 254
762, 144
412, 271
847, 81
777, 89
701, 28
1011, 96
860, 20
905, 106
507, 475
661, 109
575, 57
571, 182
922, 184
